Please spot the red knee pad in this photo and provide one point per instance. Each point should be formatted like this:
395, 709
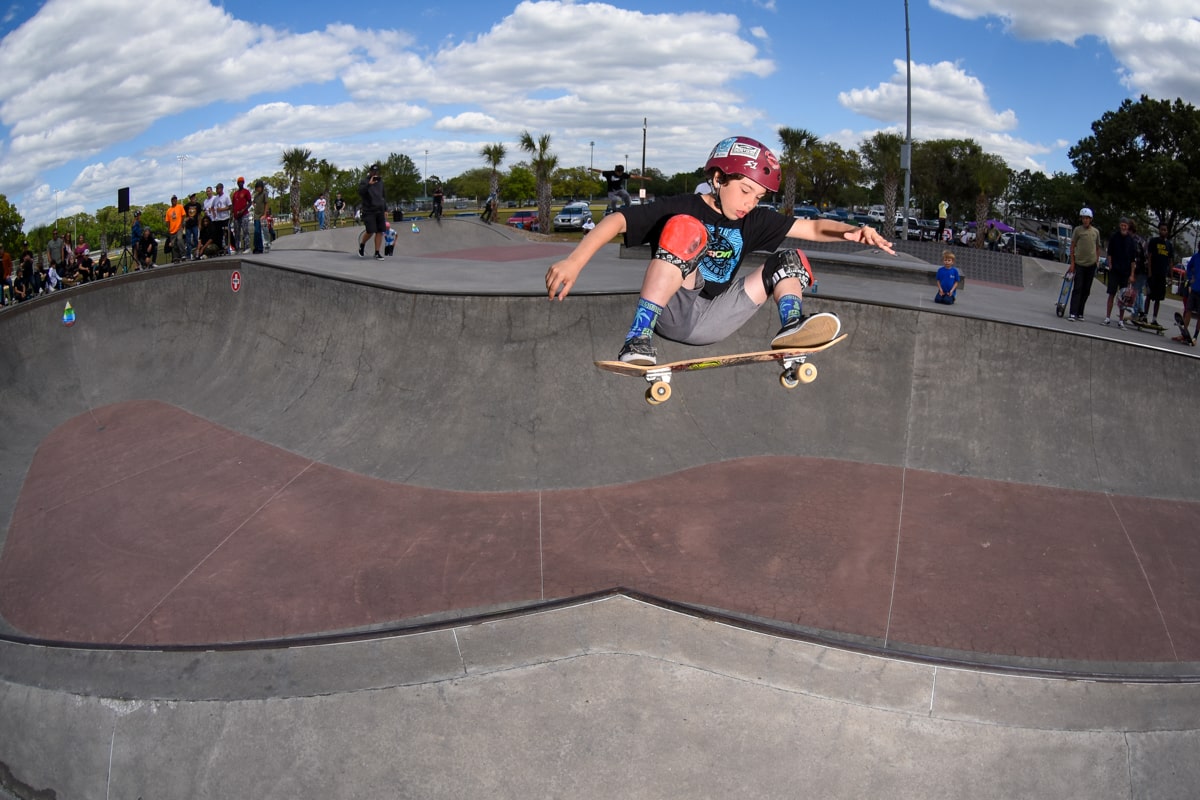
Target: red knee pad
682, 242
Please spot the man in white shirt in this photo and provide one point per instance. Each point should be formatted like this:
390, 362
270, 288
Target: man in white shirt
219, 210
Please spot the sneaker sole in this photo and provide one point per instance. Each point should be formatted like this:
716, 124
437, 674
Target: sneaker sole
818, 329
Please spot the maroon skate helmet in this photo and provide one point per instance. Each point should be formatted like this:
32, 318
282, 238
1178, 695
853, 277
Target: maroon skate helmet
740, 155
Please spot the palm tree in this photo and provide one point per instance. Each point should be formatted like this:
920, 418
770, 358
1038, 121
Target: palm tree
296, 162
794, 160
882, 156
991, 178
543, 167
492, 155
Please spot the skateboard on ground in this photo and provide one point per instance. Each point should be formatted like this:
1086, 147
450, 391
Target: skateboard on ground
1146, 325
1064, 294
1183, 331
794, 360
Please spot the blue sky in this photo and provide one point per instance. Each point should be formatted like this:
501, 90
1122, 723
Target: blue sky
101, 94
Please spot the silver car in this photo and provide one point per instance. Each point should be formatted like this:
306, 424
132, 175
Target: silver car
572, 217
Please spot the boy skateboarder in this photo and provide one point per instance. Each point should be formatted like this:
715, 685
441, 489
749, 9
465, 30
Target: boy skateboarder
691, 292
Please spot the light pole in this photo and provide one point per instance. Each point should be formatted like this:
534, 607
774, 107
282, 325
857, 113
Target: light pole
591, 164
181, 159
426, 175
906, 151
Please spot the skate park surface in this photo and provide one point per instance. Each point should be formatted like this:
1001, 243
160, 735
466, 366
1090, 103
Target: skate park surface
368, 528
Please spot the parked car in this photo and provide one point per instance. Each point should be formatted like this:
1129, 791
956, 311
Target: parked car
914, 228
1027, 245
805, 212
572, 217
526, 220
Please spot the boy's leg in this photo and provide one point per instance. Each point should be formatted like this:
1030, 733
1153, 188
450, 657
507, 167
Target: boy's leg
674, 266
784, 276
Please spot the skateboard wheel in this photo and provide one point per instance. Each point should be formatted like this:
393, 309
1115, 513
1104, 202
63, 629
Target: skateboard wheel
1058, 310
789, 380
659, 392
807, 373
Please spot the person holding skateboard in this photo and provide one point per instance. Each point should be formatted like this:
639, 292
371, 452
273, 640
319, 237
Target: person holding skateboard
1085, 257
691, 292
1191, 302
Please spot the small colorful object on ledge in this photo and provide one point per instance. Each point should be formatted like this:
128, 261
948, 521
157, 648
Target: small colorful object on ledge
68, 316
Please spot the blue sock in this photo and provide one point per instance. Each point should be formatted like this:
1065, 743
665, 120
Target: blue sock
644, 320
789, 308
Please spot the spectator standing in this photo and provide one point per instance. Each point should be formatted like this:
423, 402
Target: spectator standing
1191, 298
135, 233
339, 208
6, 277
57, 252
374, 210
241, 202
260, 214
992, 237
1085, 257
174, 217
220, 209
943, 209
1161, 253
319, 206
1122, 259
191, 226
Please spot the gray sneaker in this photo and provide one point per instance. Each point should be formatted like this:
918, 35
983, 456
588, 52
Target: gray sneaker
808, 331
639, 351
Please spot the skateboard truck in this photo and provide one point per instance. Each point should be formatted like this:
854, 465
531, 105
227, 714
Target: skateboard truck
796, 371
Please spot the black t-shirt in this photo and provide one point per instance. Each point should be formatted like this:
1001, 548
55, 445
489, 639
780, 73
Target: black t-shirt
1122, 250
729, 241
615, 180
1162, 254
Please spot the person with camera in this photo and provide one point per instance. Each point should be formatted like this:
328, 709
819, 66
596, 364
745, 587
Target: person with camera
374, 210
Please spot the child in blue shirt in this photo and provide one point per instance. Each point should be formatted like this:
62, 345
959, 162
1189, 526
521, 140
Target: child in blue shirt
947, 278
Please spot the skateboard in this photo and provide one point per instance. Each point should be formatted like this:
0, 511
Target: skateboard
1144, 325
1064, 294
794, 360
1183, 331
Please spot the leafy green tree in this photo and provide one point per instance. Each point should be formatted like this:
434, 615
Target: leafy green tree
831, 169
1143, 157
474, 183
520, 185
795, 161
543, 163
295, 162
493, 155
401, 179
881, 165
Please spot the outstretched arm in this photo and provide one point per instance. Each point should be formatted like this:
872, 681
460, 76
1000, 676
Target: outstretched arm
828, 230
562, 275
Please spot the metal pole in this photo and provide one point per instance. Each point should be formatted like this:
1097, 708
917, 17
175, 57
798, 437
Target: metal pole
642, 190
906, 155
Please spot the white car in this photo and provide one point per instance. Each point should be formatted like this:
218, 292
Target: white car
572, 217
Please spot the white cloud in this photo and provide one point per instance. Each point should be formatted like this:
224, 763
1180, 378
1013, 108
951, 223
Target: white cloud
947, 103
1156, 42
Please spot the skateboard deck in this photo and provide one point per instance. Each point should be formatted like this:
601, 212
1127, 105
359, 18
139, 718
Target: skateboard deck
1064, 294
1183, 331
796, 370
1147, 326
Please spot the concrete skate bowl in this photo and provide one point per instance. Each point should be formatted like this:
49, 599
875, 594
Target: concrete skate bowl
187, 465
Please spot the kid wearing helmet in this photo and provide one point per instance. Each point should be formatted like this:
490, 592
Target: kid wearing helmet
691, 292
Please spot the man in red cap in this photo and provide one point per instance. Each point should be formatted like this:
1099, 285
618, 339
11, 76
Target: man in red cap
242, 200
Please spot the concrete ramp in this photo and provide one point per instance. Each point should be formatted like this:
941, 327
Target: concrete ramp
315, 538
450, 235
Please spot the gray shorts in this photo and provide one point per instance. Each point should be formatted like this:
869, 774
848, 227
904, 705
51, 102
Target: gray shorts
691, 318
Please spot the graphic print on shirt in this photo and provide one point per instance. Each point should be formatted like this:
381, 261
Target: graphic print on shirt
724, 253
